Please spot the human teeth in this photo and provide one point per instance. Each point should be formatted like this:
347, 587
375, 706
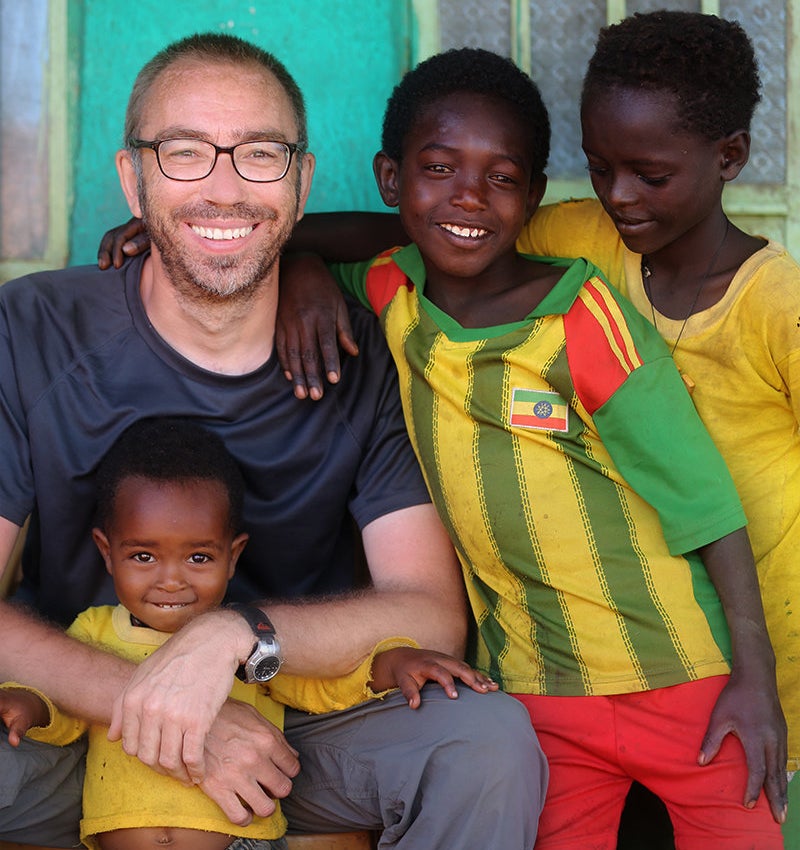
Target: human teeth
219, 233
469, 232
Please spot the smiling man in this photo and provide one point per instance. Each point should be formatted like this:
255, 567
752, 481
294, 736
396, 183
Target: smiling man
215, 161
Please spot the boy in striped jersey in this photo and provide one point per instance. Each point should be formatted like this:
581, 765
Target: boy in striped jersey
601, 538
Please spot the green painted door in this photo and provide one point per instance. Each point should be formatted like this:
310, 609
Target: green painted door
346, 56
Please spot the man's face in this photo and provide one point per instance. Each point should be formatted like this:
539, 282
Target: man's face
219, 237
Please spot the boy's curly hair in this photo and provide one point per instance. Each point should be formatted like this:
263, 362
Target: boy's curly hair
707, 62
169, 451
473, 70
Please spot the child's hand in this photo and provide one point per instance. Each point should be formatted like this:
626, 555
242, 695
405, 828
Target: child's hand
409, 669
20, 710
312, 318
119, 243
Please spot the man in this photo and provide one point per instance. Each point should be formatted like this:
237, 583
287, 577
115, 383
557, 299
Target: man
215, 163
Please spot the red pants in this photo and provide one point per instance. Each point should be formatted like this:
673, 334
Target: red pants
596, 746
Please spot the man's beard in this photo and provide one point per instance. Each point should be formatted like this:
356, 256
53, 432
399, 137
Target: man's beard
216, 279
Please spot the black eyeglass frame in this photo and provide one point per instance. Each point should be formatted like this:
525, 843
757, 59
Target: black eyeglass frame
291, 147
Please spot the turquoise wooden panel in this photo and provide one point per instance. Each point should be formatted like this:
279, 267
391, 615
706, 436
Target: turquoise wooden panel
346, 57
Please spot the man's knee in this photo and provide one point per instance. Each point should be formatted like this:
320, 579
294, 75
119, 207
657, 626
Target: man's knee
497, 728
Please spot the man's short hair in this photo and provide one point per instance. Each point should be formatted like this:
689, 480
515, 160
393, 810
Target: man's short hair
212, 47
174, 451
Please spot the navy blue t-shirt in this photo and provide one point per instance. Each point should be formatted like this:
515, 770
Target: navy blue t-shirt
80, 362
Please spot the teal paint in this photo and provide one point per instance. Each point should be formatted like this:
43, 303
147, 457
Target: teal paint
346, 56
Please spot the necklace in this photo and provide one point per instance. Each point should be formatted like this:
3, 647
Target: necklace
647, 274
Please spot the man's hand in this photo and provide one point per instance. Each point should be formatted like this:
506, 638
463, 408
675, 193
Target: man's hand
119, 243
312, 318
752, 713
409, 669
248, 763
20, 710
166, 711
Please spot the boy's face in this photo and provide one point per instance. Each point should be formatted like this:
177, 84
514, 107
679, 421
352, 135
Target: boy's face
169, 549
657, 181
464, 185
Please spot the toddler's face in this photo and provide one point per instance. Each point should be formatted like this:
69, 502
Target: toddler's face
170, 549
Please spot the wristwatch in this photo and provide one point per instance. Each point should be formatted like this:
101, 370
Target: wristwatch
265, 660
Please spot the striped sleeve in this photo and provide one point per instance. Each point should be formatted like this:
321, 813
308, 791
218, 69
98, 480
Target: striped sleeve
624, 376
600, 347
373, 283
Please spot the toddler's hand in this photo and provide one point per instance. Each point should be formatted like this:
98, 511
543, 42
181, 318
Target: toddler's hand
409, 669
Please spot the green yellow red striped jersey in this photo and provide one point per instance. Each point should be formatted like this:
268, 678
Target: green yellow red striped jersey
568, 464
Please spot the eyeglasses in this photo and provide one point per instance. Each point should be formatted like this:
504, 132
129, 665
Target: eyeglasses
193, 159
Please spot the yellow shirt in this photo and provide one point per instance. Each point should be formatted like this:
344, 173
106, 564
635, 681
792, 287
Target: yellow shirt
743, 356
121, 792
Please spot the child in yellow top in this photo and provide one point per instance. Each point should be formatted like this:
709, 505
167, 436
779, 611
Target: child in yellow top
170, 510
665, 111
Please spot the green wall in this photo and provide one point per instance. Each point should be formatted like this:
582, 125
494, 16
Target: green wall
346, 56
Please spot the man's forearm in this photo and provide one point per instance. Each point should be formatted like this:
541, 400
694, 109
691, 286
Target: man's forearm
82, 680
331, 637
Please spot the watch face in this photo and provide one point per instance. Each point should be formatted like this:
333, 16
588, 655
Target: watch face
266, 668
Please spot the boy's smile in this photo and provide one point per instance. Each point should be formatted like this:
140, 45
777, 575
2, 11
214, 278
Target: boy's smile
464, 188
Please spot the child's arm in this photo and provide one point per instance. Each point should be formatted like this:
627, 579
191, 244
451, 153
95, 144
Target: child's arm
20, 710
338, 237
312, 318
409, 669
748, 706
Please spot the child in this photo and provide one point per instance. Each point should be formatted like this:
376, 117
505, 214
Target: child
576, 480
170, 501
658, 86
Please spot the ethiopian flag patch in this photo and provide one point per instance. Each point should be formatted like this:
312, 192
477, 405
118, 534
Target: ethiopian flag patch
539, 409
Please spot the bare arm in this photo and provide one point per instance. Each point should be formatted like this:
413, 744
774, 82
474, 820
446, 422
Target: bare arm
347, 237
339, 237
749, 706
165, 713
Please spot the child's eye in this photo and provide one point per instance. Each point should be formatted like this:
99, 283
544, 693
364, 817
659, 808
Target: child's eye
199, 558
438, 168
596, 169
143, 558
505, 179
652, 181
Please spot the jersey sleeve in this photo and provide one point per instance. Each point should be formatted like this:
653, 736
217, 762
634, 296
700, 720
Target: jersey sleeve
625, 378
61, 730
373, 283
352, 280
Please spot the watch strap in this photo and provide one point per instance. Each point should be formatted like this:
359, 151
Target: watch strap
258, 620
260, 624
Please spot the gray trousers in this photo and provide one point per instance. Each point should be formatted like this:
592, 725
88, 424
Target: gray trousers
465, 774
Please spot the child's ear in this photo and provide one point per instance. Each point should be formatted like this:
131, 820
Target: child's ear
237, 546
101, 541
734, 151
386, 172
535, 194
